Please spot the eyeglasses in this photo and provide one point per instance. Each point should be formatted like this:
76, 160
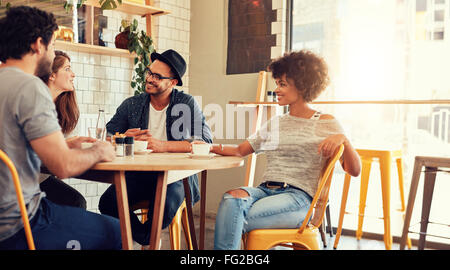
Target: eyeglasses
157, 77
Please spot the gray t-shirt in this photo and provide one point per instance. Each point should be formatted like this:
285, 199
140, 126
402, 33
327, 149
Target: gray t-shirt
291, 144
27, 112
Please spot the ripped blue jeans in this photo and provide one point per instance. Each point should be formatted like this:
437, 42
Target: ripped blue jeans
264, 208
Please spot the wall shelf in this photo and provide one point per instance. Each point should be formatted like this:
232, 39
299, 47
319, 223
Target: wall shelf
133, 8
87, 48
127, 7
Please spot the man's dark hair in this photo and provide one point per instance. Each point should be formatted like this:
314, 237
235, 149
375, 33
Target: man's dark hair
21, 27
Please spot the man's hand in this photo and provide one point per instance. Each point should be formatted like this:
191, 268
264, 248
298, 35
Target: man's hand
156, 145
105, 150
75, 142
136, 132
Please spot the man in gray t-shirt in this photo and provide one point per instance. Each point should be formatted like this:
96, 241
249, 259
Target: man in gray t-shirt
27, 112
30, 133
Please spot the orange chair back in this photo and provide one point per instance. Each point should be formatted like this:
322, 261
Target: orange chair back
23, 209
319, 202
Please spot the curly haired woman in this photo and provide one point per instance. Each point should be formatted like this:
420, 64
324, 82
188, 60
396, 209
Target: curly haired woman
297, 144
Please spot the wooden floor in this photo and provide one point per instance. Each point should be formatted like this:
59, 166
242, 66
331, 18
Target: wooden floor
346, 242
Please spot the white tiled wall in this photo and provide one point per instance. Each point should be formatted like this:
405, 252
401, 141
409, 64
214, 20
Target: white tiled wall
103, 81
279, 28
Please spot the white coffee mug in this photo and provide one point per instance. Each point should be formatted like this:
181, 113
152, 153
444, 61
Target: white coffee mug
140, 146
201, 149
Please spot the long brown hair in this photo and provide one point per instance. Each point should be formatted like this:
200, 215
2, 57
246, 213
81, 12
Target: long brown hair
66, 102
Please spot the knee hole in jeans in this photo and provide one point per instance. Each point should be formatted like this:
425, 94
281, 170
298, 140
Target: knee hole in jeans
238, 193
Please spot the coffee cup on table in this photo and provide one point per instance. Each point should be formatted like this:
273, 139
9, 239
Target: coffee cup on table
140, 146
201, 149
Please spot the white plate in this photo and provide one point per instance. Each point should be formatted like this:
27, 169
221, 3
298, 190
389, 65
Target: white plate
148, 151
208, 156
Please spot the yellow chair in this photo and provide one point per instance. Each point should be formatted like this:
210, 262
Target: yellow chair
306, 237
385, 158
180, 218
23, 209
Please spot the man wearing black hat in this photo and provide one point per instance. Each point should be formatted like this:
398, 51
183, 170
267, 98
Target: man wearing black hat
169, 120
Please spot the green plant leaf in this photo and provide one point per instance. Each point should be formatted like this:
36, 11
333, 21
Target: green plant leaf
141, 44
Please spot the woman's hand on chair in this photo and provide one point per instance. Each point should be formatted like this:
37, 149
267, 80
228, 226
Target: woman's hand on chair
328, 146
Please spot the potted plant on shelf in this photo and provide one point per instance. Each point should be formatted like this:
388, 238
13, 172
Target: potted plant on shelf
139, 43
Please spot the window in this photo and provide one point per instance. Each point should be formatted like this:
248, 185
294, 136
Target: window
421, 5
374, 54
307, 36
438, 35
439, 15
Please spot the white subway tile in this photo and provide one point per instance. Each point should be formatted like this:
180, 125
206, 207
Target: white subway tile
83, 58
88, 203
94, 59
115, 61
83, 83
81, 187
73, 56
102, 188
105, 60
94, 203
126, 87
99, 72
79, 96
115, 86
277, 27
125, 62
88, 97
94, 84
88, 70
93, 108
109, 98
99, 98
77, 68
171, 21
119, 73
91, 189
104, 85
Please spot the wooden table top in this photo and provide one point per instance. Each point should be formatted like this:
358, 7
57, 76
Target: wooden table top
168, 161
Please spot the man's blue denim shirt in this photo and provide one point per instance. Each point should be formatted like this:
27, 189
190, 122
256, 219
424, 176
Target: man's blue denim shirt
184, 121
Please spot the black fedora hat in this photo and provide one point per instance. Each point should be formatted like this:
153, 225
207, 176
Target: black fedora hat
175, 62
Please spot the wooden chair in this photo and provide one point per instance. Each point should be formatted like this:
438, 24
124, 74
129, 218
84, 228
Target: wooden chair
180, 218
21, 201
306, 236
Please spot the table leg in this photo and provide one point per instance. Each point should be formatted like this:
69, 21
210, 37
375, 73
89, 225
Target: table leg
187, 193
158, 210
203, 209
123, 209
